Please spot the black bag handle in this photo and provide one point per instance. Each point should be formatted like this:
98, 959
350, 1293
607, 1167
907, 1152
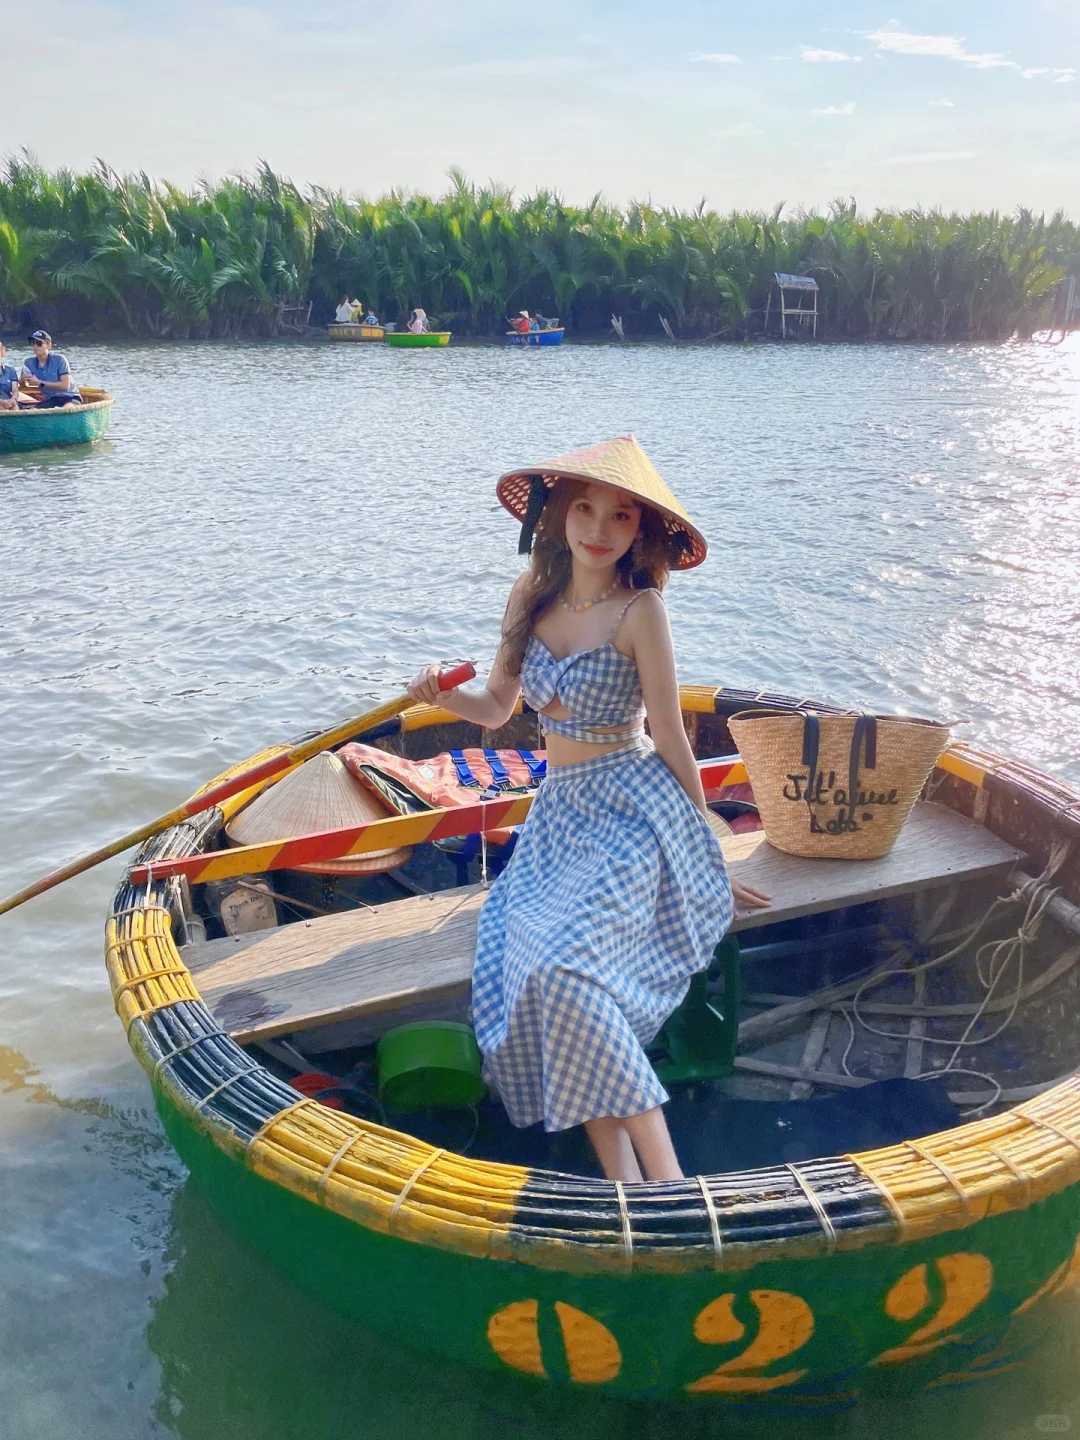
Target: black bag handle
864, 739
863, 744
811, 743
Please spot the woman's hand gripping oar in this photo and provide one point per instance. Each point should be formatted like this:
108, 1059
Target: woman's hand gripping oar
448, 680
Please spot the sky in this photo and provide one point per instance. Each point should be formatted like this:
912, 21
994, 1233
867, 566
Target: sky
967, 105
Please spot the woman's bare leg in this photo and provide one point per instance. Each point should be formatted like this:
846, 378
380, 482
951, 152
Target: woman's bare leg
611, 1141
651, 1138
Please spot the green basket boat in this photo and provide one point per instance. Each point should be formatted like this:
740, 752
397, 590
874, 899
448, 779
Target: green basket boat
406, 340
824, 1245
64, 425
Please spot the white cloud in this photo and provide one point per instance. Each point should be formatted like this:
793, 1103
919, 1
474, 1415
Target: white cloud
941, 105
827, 57
848, 108
938, 47
1058, 74
716, 58
953, 47
933, 157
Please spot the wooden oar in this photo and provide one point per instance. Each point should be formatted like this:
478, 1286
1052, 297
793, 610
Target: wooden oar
448, 680
388, 834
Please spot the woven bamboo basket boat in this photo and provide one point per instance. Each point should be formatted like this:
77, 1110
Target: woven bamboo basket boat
799, 1263
427, 339
66, 425
346, 331
534, 339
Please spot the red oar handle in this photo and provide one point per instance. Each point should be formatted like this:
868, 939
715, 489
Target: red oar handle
451, 679
239, 780
448, 680
214, 796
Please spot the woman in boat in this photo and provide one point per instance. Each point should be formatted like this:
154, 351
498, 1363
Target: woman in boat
418, 321
617, 891
520, 322
344, 313
50, 370
9, 381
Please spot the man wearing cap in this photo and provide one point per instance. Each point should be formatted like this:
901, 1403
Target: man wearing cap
9, 381
49, 369
520, 322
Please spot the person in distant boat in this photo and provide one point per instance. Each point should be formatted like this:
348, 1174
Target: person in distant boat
9, 381
357, 310
344, 312
520, 322
371, 318
617, 891
50, 370
534, 323
418, 321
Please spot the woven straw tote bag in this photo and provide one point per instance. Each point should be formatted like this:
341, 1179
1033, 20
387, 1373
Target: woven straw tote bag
835, 787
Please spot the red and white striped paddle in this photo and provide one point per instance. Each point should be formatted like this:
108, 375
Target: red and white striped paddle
388, 834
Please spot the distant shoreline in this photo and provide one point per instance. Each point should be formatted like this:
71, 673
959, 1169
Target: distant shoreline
255, 256
316, 337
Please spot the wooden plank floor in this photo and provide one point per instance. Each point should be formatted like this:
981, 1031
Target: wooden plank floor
362, 962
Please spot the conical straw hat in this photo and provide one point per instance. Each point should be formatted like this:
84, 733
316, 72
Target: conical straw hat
622, 464
318, 795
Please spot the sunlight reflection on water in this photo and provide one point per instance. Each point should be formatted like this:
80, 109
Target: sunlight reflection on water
892, 526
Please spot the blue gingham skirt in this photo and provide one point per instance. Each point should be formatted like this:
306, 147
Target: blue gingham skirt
615, 895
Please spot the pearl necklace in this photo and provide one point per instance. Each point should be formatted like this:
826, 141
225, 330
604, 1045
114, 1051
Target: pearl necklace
588, 604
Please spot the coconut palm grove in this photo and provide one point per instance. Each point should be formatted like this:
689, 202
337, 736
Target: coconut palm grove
129, 254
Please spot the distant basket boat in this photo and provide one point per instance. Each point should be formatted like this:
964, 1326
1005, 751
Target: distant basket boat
42, 429
338, 331
406, 340
535, 337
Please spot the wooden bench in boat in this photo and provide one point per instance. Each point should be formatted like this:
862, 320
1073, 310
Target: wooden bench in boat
361, 962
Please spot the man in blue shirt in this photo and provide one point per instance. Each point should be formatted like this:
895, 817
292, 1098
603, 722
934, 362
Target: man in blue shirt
49, 369
9, 381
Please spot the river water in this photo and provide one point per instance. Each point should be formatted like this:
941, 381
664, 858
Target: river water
277, 534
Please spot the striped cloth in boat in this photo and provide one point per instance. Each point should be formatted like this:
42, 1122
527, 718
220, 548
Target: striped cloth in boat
616, 894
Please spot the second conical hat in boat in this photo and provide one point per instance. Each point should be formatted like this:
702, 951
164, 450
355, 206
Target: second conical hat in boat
318, 795
620, 463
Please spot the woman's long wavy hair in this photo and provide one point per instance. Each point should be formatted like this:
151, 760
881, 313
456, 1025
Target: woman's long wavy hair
645, 566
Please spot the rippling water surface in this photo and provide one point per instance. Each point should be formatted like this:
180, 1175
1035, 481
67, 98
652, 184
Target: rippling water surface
277, 534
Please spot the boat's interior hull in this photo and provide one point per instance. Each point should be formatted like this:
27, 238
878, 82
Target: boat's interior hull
824, 1080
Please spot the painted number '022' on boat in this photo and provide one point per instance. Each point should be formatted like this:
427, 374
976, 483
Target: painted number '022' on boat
776, 1327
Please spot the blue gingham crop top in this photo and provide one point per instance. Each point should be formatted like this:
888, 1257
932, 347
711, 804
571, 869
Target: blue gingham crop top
599, 686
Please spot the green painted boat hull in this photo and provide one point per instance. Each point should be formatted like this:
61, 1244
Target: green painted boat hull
703, 1337
45, 429
404, 340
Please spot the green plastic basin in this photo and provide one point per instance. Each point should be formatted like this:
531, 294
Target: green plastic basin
432, 1063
